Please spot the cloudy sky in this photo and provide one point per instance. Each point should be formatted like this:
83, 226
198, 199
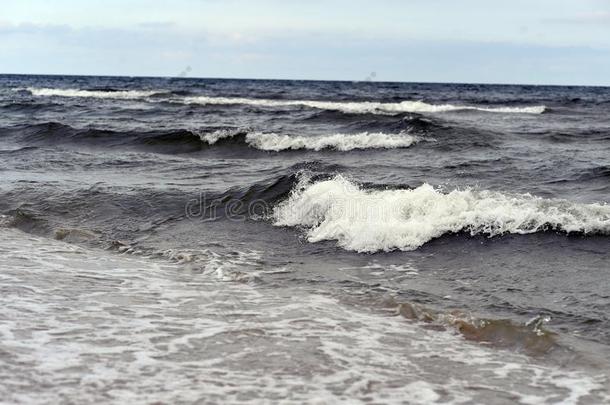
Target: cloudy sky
481, 41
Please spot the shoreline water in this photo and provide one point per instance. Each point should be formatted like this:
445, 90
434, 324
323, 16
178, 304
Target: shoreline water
108, 327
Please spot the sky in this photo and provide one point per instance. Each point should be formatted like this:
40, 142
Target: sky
473, 41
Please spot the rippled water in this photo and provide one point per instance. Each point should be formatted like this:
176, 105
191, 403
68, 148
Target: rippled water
194, 240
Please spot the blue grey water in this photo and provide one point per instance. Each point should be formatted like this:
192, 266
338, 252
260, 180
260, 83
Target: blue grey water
182, 240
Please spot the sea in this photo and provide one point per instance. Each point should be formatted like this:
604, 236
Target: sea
183, 240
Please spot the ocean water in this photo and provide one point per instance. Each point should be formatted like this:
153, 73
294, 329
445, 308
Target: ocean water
204, 241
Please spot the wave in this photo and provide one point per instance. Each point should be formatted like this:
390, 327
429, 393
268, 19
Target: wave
384, 220
105, 93
138, 212
341, 142
185, 140
352, 107
53, 133
360, 107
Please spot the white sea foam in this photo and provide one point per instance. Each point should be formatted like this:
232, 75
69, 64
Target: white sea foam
356, 107
342, 142
132, 329
360, 107
213, 137
384, 220
121, 94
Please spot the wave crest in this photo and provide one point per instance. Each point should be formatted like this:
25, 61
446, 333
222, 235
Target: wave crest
361, 107
350, 107
385, 220
192, 140
118, 94
341, 142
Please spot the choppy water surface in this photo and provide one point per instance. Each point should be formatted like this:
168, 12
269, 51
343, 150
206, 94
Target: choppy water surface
183, 240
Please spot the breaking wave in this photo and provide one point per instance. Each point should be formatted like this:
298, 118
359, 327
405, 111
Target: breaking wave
342, 142
361, 107
118, 94
191, 140
351, 107
384, 220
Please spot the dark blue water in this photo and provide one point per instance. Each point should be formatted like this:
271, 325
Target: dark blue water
493, 199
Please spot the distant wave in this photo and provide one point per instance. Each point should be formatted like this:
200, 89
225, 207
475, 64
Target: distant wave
353, 107
341, 142
361, 107
118, 94
384, 220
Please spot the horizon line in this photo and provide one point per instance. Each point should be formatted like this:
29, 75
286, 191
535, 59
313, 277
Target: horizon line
303, 80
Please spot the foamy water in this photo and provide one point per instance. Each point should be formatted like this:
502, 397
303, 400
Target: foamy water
341, 142
370, 221
119, 94
98, 327
361, 107
355, 107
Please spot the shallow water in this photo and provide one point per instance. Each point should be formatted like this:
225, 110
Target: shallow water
102, 327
